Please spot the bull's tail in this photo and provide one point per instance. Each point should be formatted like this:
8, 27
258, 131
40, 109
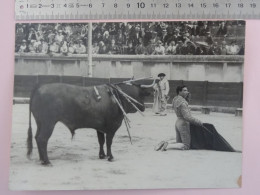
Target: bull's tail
29, 139
30, 135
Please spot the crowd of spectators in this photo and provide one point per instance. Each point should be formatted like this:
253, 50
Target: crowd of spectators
133, 38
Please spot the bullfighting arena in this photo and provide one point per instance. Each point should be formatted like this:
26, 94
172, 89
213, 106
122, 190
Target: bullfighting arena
76, 166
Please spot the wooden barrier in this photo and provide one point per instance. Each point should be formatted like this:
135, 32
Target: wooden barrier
203, 93
205, 110
239, 112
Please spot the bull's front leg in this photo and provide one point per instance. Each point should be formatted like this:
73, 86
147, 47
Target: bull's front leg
109, 140
101, 141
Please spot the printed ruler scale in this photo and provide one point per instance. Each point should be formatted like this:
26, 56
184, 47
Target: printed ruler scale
136, 9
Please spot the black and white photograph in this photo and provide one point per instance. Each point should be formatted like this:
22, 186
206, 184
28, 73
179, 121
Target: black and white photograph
127, 105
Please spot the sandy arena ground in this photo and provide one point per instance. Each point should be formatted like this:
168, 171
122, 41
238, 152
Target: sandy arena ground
76, 165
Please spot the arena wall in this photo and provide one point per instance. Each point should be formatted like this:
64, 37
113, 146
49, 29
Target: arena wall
183, 67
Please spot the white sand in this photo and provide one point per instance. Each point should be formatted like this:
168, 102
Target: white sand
76, 164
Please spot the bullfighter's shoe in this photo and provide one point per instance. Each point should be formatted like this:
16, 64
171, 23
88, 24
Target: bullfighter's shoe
164, 146
159, 146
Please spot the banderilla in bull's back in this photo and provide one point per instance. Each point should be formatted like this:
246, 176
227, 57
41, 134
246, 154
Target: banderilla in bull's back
78, 107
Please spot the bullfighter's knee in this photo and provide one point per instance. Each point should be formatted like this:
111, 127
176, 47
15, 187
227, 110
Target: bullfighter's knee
186, 147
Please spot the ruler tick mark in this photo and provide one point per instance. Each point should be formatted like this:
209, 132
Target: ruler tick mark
32, 8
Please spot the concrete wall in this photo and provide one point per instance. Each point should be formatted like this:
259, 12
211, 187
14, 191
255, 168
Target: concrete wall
188, 68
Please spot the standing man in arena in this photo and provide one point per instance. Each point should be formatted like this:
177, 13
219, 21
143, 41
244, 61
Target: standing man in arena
161, 90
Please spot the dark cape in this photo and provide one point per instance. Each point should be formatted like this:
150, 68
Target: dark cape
208, 138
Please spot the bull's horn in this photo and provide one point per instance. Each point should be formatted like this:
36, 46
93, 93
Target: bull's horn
148, 86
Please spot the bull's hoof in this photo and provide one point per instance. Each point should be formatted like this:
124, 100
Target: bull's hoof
47, 164
110, 159
102, 156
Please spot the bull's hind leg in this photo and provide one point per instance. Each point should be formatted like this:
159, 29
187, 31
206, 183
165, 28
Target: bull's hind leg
42, 138
109, 140
40, 153
101, 141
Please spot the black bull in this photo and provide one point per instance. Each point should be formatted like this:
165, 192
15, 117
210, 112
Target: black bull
78, 107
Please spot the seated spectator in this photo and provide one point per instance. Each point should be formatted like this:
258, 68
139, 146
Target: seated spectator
158, 29
214, 49
71, 48
195, 30
179, 48
223, 48
39, 35
190, 48
242, 50
43, 47
59, 37
64, 48
186, 38
75, 28
106, 38
23, 48
185, 28
233, 49
130, 50
36, 44
154, 38
31, 35
113, 48
32, 46
202, 48
95, 48
135, 35
204, 29
95, 29
209, 39
150, 48
54, 47
159, 49
68, 29
148, 35
103, 27
80, 48
19, 29
171, 49
102, 48
188, 45
129, 30
222, 31
164, 36
51, 36
113, 30
121, 27
19, 36
84, 31
120, 38
176, 36
97, 38
58, 26
75, 37
140, 49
